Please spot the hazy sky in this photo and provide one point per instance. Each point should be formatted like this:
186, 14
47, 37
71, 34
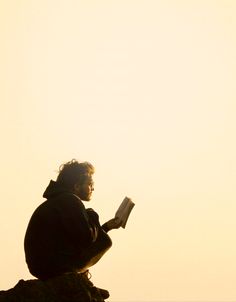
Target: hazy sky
146, 91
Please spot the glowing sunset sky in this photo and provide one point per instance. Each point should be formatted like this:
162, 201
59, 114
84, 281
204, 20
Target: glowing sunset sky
145, 91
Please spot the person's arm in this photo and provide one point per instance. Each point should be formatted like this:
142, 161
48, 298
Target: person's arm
114, 223
77, 222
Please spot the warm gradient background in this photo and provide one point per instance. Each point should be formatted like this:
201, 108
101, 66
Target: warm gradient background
146, 91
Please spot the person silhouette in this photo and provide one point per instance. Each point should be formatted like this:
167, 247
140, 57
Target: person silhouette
62, 235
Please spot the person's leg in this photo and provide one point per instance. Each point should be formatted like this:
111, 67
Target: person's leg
94, 252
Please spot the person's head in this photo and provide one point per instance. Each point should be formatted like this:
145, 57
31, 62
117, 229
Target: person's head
77, 177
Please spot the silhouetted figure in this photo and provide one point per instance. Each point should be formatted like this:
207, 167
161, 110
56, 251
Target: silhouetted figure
62, 235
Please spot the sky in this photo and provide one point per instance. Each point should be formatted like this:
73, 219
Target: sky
145, 91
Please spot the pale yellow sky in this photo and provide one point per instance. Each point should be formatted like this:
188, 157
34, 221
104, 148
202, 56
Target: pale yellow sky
145, 90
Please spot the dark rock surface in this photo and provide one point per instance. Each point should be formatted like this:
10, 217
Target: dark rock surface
70, 287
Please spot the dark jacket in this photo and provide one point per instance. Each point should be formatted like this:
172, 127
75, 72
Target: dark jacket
58, 231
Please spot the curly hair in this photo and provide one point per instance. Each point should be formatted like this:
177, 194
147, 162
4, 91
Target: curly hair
74, 172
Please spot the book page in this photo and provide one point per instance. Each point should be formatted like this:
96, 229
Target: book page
124, 211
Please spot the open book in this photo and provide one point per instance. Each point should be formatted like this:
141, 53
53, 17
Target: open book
124, 210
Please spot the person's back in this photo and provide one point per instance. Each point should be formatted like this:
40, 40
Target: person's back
57, 232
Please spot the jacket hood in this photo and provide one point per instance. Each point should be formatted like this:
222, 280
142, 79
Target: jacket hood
54, 189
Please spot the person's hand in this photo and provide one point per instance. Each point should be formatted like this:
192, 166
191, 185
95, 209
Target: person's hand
114, 223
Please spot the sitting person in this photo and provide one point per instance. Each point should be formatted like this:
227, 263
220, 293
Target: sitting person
62, 235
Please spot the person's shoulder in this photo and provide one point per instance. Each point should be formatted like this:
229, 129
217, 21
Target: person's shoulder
70, 198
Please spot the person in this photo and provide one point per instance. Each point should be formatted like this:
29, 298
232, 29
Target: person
62, 235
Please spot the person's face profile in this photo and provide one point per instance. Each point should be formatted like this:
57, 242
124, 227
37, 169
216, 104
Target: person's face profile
85, 190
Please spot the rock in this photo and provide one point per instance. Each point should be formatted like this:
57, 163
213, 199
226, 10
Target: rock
71, 287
